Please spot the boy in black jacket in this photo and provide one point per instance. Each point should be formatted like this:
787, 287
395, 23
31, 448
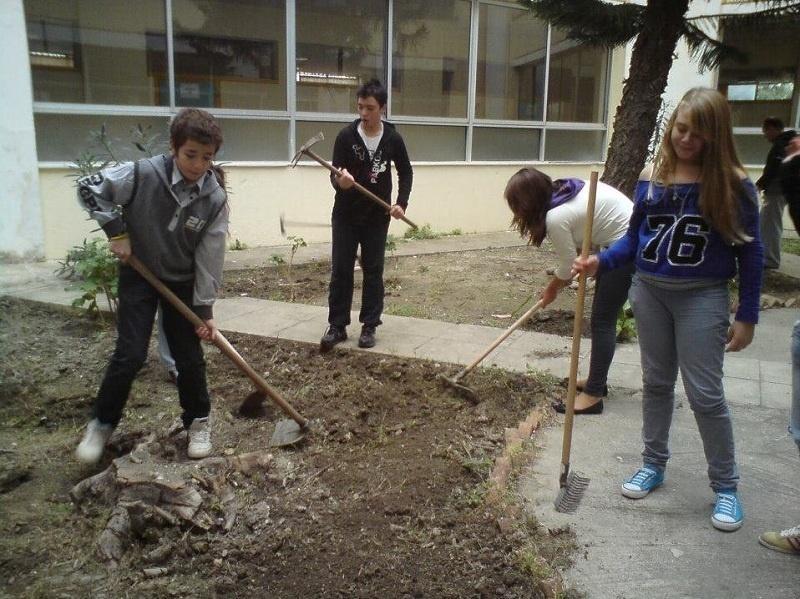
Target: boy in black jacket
364, 150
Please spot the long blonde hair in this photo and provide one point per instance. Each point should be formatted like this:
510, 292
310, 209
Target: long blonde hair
709, 116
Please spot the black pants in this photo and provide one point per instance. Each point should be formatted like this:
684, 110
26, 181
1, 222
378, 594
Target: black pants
347, 236
138, 301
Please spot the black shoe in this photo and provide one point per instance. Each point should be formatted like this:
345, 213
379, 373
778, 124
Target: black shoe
560, 407
335, 334
367, 338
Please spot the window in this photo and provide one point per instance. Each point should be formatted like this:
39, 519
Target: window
763, 85
512, 51
431, 58
228, 54
577, 87
340, 46
505, 144
537, 95
83, 55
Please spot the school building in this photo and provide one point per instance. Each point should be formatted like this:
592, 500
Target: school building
477, 88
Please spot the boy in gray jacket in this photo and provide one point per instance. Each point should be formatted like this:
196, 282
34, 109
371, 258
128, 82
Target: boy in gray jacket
170, 211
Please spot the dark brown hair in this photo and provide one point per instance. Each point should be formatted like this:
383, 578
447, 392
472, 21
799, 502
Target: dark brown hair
200, 126
528, 193
373, 88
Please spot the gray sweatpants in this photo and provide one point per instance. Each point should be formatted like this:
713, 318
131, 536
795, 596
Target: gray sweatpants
686, 329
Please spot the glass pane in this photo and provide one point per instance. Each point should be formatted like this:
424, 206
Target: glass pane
569, 146
99, 52
577, 86
66, 137
505, 144
752, 149
434, 143
340, 45
228, 54
254, 140
511, 62
431, 58
768, 75
306, 130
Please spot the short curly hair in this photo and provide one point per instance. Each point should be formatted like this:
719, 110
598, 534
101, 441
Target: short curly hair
195, 124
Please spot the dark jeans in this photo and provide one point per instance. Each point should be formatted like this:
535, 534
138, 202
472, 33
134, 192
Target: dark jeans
138, 301
347, 236
610, 294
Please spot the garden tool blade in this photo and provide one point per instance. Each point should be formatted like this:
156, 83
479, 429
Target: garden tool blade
287, 432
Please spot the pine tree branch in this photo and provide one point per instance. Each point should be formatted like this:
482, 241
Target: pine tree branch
708, 51
592, 22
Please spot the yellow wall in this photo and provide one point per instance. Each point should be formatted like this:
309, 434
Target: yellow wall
467, 197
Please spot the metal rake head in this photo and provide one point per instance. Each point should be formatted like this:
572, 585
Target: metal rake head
571, 493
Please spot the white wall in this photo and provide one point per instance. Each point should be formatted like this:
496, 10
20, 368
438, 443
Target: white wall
467, 197
21, 233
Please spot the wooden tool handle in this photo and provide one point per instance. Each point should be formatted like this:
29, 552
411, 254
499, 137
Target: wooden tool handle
219, 339
577, 329
520, 321
357, 185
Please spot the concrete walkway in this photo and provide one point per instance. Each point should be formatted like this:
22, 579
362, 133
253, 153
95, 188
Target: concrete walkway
662, 546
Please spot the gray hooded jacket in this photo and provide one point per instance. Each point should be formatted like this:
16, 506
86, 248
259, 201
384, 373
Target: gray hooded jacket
177, 241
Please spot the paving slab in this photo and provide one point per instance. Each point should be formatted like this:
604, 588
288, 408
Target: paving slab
664, 546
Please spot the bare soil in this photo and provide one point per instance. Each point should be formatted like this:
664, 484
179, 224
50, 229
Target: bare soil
386, 498
490, 287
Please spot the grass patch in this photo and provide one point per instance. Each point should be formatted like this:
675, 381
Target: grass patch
405, 310
791, 246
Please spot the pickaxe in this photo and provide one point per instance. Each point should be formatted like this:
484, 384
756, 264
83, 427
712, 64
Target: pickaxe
305, 149
298, 223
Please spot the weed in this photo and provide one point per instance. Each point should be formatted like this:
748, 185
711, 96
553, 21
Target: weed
423, 232
455, 231
391, 247
626, 324
423, 269
236, 245
297, 243
277, 259
95, 266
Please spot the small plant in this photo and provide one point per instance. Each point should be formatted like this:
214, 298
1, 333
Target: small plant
626, 324
237, 245
297, 243
95, 266
455, 231
423, 232
391, 246
277, 259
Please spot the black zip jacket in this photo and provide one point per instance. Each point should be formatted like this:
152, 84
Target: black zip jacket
350, 152
772, 166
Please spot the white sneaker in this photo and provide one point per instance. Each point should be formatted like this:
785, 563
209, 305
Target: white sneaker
199, 439
90, 449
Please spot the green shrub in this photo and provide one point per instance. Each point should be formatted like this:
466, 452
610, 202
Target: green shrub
93, 264
423, 232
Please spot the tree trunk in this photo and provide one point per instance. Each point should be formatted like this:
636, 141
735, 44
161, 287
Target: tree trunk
637, 112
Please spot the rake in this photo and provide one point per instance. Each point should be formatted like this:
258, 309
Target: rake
572, 485
455, 382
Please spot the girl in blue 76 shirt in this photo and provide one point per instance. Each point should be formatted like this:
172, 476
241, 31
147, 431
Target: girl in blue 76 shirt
693, 227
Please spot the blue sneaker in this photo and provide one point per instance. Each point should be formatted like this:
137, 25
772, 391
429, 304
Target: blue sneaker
728, 513
644, 480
